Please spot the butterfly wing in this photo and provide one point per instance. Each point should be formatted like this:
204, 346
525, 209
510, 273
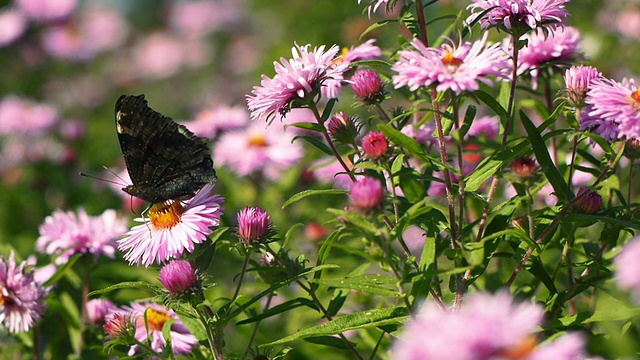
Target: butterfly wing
164, 159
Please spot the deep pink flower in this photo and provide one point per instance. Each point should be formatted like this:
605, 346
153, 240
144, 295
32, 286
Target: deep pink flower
342, 63
628, 268
182, 341
178, 276
254, 225
518, 13
117, 326
257, 149
577, 80
300, 77
21, 297
368, 86
366, 193
173, 227
486, 327
64, 234
375, 145
613, 111
447, 68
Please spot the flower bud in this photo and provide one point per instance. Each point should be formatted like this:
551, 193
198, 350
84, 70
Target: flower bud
366, 194
178, 277
254, 225
374, 145
524, 168
118, 326
632, 149
342, 128
368, 86
591, 203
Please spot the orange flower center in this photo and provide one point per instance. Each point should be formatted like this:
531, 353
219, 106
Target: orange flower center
166, 215
520, 351
635, 96
3, 297
451, 61
156, 319
257, 140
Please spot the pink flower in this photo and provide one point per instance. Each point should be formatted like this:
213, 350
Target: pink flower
212, 121
64, 234
368, 86
343, 128
47, 10
518, 13
366, 194
200, 18
299, 78
99, 309
19, 115
254, 225
21, 297
173, 227
627, 273
486, 327
558, 47
577, 81
178, 276
613, 109
342, 63
330, 171
375, 145
182, 341
13, 24
257, 149
448, 68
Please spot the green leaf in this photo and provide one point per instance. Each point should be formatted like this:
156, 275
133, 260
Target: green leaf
315, 142
492, 103
303, 194
489, 166
408, 144
542, 155
328, 110
367, 318
279, 309
373, 284
311, 126
412, 188
128, 285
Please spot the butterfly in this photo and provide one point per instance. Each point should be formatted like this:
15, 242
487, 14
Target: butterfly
164, 159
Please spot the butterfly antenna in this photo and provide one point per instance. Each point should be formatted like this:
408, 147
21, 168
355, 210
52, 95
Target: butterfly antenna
123, 183
99, 178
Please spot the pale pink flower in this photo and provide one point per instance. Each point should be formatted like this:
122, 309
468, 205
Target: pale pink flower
20, 115
214, 120
330, 171
99, 309
13, 25
200, 18
47, 10
508, 14
257, 149
173, 227
613, 109
627, 273
21, 298
64, 234
297, 79
458, 69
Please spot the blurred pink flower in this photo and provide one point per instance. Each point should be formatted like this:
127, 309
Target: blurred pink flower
19, 115
162, 54
296, 79
627, 22
96, 30
627, 274
212, 121
64, 234
13, 25
517, 13
182, 341
342, 64
200, 18
366, 193
173, 227
22, 298
558, 47
487, 126
257, 149
485, 327
457, 69
330, 171
99, 309
47, 10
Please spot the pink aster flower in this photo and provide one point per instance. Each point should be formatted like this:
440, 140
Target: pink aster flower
557, 48
257, 149
13, 25
47, 10
214, 120
20, 115
447, 68
182, 341
518, 13
21, 297
173, 227
577, 80
342, 64
613, 109
64, 234
200, 18
299, 78
366, 193
254, 225
486, 327
375, 145
178, 276
99, 309
628, 268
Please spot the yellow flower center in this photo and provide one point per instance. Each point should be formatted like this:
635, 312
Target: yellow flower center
166, 215
520, 351
635, 97
157, 319
451, 61
3, 297
257, 140
341, 57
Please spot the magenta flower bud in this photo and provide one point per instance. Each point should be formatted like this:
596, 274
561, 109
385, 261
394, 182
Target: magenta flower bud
342, 128
254, 225
374, 145
178, 277
524, 168
366, 194
591, 203
368, 86
577, 80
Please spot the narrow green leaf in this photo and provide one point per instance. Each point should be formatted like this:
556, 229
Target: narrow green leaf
315, 142
373, 284
303, 194
368, 318
311, 126
279, 309
542, 155
328, 110
128, 285
408, 144
412, 188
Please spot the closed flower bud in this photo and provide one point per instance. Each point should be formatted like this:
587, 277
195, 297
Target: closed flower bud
368, 86
524, 169
366, 194
591, 203
118, 327
632, 149
254, 225
342, 128
178, 277
374, 145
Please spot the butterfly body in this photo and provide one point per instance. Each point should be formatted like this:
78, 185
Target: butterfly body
164, 159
